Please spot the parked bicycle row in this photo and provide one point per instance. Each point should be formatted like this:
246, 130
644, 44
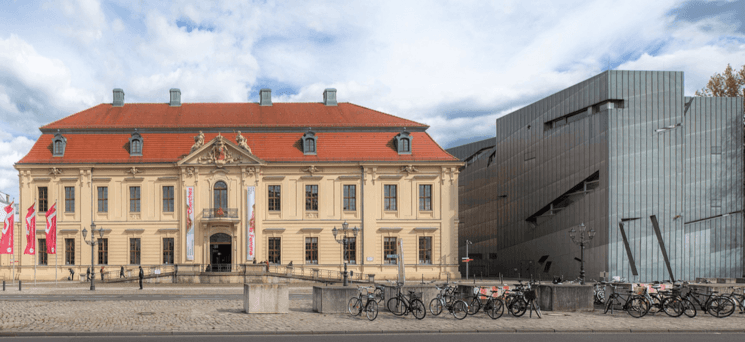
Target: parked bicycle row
518, 300
680, 299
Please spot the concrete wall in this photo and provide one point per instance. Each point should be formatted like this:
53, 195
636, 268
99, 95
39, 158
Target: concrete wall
266, 298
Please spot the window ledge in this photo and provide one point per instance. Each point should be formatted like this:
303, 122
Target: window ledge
425, 229
390, 229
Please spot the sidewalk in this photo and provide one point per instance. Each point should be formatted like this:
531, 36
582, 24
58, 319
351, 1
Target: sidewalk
226, 316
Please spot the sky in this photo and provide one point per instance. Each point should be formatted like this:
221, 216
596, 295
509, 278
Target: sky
454, 65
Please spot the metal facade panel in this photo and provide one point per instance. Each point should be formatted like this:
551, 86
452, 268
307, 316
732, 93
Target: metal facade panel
642, 173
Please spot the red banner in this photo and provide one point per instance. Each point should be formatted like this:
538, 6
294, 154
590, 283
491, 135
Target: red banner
51, 229
31, 231
6, 242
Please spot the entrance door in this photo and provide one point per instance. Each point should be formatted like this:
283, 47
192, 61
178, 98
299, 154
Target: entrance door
220, 252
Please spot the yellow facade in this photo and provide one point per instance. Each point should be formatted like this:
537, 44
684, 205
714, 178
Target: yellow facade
292, 223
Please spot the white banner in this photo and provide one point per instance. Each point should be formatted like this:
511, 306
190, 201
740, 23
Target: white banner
251, 227
189, 223
401, 266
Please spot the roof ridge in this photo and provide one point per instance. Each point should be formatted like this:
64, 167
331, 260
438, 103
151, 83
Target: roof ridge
391, 115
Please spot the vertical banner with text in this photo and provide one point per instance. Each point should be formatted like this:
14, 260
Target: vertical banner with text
251, 228
189, 223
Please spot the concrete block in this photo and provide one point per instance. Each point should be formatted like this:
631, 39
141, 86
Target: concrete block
553, 297
266, 298
332, 299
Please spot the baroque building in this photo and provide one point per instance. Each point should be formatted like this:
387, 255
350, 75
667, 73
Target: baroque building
219, 185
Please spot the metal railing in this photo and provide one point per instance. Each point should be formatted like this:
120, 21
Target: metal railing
220, 213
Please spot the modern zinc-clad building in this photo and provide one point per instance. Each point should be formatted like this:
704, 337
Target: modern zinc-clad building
609, 152
215, 186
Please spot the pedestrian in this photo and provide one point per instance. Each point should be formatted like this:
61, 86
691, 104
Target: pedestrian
142, 275
88, 274
72, 274
102, 273
121, 272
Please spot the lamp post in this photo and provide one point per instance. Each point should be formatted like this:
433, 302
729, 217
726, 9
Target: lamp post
344, 241
580, 237
468, 242
93, 242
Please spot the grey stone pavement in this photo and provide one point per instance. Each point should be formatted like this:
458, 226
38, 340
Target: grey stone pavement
179, 316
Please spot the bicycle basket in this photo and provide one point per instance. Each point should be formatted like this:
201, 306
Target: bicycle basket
530, 295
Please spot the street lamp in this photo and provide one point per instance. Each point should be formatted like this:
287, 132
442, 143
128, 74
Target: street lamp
344, 241
468, 242
93, 242
580, 237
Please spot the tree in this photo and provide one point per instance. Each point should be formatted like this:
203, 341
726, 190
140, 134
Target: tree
730, 84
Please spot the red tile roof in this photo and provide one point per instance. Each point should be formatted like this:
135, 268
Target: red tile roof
233, 115
271, 147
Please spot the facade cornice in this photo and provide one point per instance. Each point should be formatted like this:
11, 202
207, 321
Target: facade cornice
167, 130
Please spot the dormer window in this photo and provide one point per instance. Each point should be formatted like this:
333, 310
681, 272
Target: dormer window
403, 143
135, 145
58, 145
309, 143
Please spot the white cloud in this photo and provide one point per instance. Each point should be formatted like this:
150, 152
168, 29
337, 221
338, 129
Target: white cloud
454, 66
11, 151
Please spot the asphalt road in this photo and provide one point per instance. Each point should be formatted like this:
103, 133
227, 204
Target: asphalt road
128, 297
412, 337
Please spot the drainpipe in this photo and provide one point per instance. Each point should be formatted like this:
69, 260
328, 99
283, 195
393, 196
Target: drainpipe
362, 214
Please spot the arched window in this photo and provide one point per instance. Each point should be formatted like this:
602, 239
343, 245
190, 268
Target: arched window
135, 144
402, 142
221, 196
58, 145
405, 145
309, 143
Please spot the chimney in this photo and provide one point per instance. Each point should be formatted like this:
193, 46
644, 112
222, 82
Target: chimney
175, 97
265, 97
329, 97
118, 97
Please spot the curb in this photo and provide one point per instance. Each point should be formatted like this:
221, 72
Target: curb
349, 332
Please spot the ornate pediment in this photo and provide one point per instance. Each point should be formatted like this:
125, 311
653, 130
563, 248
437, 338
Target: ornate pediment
219, 152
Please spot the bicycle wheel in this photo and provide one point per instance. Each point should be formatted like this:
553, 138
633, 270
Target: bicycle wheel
611, 304
418, 309
379, 295
673, 306
689, 309
637, 307
371, 310
460, 309
396, 306
354, 307
474, 306
654, 304
435, 306
518, 306
721, 307
494, 308
600, 297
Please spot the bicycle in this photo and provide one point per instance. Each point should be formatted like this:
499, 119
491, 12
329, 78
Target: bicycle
494, 306
401, 305
355, 307
714, 304
599, 292
634, 304
379, 293
446, 299
523, 299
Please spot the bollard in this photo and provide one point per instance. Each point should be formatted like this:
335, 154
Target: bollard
19, 285
3, 285
501, 280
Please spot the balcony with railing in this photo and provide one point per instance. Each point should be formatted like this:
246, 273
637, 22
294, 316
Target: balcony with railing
220, 214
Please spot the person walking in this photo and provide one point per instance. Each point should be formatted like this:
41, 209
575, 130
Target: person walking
142, 275
121, 272
88, 274
101, 273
